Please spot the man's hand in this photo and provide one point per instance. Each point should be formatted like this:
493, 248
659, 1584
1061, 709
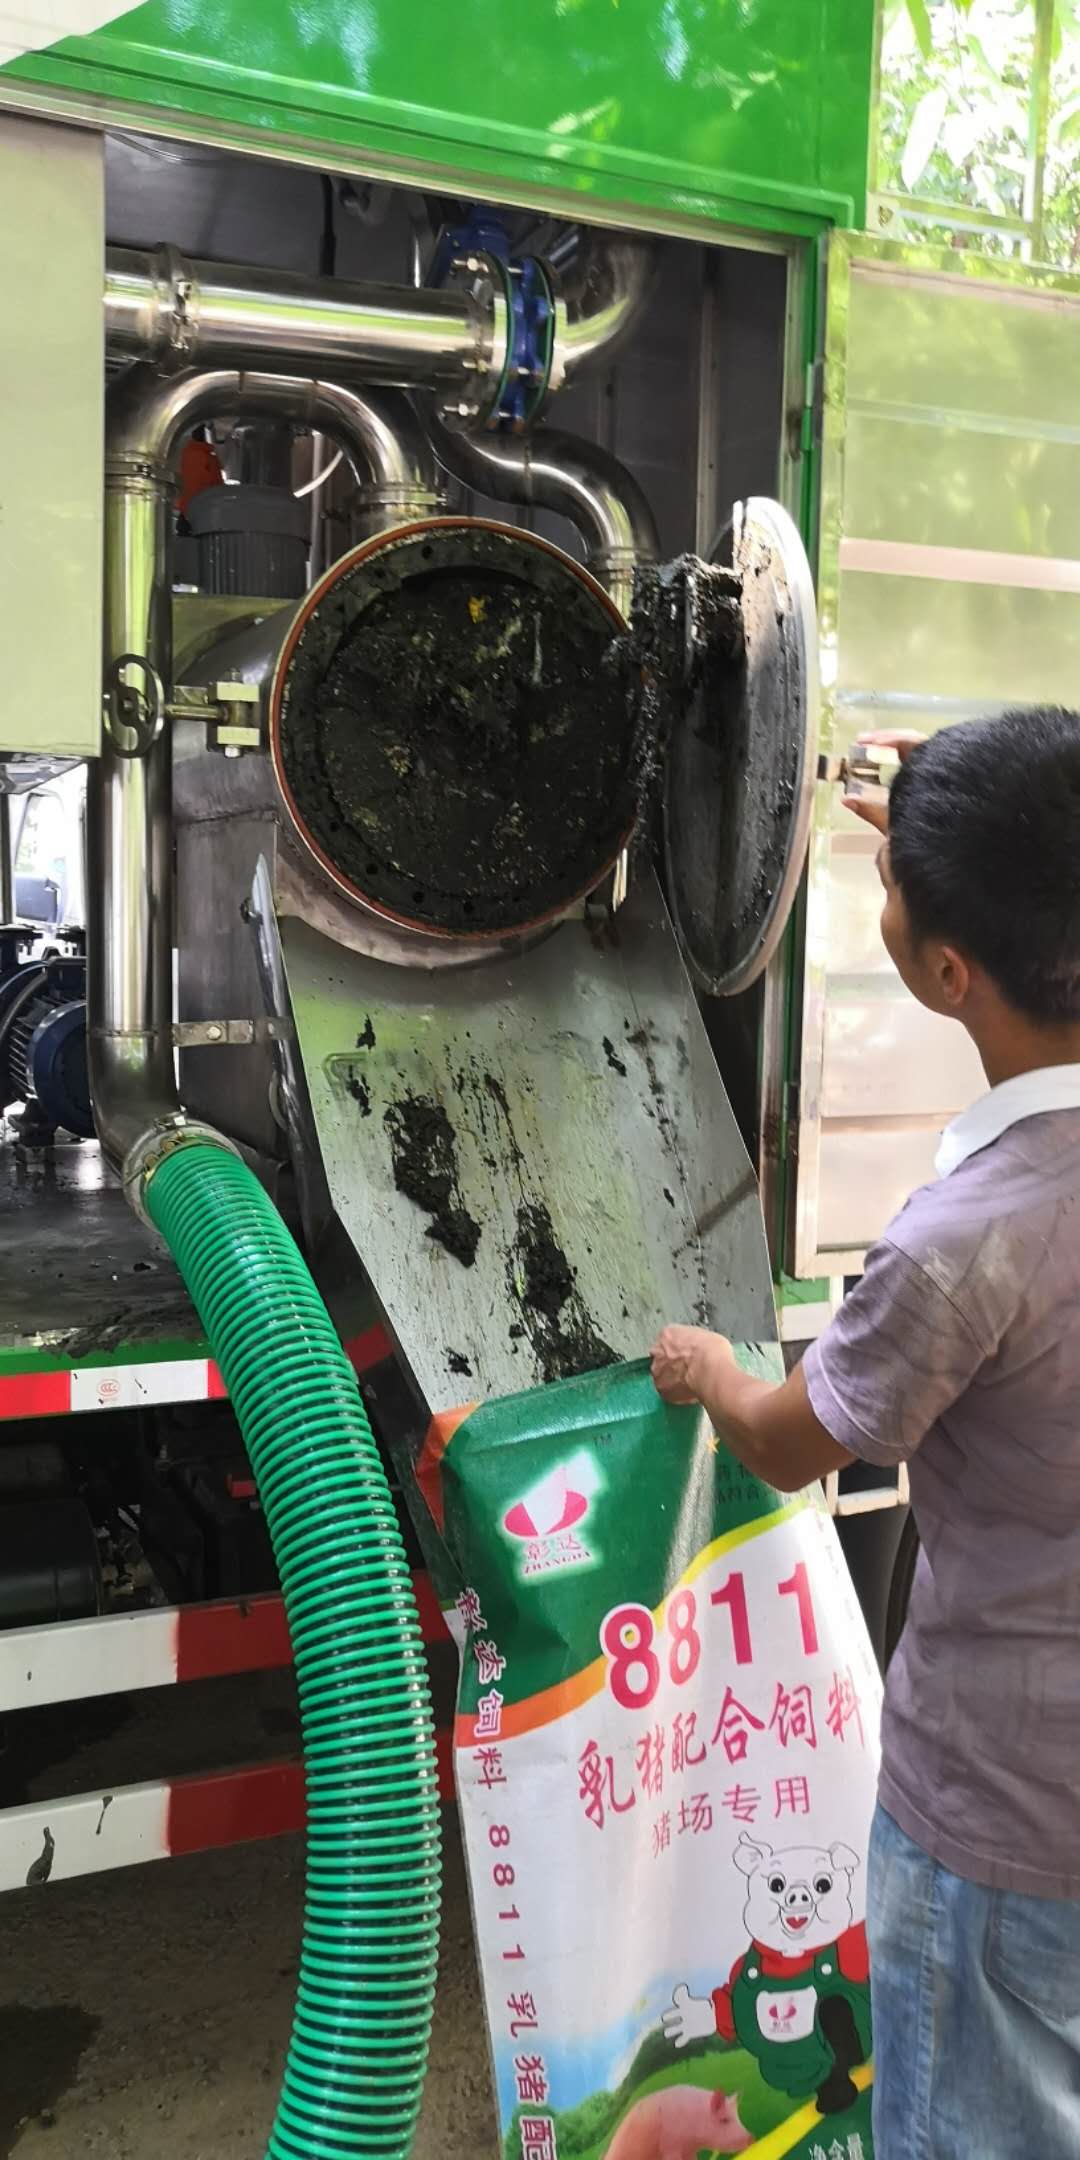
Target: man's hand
769, 1425
685, 1360
903, 741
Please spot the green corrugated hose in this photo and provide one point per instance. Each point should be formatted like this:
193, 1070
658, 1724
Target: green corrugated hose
366, 1990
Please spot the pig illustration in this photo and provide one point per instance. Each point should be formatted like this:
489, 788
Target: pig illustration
677, 2124
798, 1999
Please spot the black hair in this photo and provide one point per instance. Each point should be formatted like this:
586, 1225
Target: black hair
984, 844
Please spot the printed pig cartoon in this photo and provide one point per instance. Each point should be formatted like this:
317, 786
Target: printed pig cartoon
798, 1999
677, 2124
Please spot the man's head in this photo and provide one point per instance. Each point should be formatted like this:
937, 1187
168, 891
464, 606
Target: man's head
982, 869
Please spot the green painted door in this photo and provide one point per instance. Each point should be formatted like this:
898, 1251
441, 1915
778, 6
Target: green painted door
948, 586
750, 111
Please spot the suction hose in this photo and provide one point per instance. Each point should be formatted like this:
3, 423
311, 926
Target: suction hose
365, 1997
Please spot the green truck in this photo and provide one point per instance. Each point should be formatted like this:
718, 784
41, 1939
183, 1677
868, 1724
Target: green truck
694, 384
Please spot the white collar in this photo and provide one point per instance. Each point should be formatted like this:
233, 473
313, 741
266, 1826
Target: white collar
1052, 1087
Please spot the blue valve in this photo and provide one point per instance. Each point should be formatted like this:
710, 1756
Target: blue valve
530, 314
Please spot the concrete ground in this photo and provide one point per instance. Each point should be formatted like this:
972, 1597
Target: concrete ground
144, 2014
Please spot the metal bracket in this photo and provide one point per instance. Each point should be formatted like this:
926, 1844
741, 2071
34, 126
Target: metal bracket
870, 1501
162, 1139
222, 706
840, 770
867, 776
176, 292
229, 1034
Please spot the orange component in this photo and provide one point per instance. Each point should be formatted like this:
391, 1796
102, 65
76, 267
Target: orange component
199, 469
440, 1432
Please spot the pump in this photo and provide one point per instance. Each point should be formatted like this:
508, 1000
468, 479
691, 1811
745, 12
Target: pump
43, 1037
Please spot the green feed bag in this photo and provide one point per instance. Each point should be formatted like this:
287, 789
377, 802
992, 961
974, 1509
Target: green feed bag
666, 1758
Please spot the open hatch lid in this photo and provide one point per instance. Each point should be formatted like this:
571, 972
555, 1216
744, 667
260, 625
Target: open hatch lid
742, 759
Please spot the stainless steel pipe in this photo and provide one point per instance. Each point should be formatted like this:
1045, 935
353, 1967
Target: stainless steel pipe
599, 299
162, 308
129, 797
564, 473
159, 307
129, 840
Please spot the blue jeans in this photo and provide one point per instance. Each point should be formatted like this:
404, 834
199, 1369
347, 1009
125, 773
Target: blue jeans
976, 2003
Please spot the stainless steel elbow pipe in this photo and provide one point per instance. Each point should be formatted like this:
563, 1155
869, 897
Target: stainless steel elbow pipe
129, 788
598, 301
563, 473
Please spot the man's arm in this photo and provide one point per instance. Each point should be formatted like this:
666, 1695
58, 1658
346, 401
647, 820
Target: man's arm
771, 1428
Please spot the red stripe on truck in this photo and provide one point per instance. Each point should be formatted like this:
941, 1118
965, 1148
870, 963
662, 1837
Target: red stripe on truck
244, 1635
250, 1635
237, 1807
35, 1394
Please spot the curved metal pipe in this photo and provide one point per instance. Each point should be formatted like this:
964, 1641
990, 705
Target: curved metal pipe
129, 797
162, 308
599, 300
378, 429
566, 474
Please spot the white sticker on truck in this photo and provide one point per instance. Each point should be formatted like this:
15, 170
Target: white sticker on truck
126, 1387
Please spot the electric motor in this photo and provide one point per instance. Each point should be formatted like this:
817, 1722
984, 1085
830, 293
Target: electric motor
43, 1041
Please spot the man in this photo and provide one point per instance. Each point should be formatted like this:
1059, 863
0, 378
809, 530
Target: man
959, 1352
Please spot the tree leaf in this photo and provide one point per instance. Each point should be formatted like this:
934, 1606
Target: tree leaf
920, 23
975, 47
922, 136
962, 132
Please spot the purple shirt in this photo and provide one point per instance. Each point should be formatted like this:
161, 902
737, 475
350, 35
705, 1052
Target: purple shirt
959, 1353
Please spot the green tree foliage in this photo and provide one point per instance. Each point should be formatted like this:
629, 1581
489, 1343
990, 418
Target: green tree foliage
960, 122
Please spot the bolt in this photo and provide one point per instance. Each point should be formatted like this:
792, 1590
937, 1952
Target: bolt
232, 749
214, 1032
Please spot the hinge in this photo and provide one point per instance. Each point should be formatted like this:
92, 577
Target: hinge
229, 710
778, 1128
813, 418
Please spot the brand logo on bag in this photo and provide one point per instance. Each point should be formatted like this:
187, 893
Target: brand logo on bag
546, 1522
